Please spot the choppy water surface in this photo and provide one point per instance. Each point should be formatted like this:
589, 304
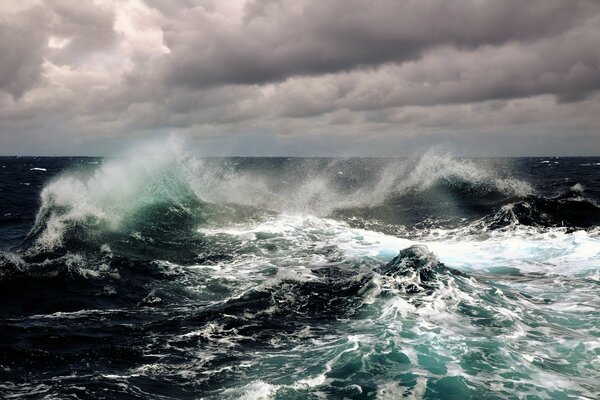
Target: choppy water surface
159, 275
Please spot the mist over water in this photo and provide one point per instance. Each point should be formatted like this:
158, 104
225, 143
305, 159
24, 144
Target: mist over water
157, 274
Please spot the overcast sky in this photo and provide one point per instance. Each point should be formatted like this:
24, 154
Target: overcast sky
301, 77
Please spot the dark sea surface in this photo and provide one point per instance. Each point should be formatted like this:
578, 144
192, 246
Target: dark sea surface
158, 275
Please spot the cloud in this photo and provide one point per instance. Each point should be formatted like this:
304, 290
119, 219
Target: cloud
80, 29
22, 47
275, 40
450, 75
337, 76
64, 32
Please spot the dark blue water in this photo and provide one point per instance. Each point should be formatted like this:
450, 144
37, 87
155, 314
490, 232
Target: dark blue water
159, 275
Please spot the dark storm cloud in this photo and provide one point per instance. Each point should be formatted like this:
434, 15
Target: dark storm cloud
279, 39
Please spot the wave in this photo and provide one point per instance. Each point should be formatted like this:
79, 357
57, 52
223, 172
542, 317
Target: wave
281, 308
434, 170
158, 272
160, 184
75, 282
109, 197
569, 209
71, 282
419, 268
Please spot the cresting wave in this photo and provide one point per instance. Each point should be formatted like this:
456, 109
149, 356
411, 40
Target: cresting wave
108, 196
161, 176
162, 182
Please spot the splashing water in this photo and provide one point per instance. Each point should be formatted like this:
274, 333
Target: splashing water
164, 173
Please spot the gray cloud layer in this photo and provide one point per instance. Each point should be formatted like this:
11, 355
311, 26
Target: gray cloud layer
302, 77
279, 39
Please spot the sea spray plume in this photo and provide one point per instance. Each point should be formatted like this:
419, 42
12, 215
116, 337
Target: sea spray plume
318, 186
396, 178
218, 182
106, 197
431, 190
435, 168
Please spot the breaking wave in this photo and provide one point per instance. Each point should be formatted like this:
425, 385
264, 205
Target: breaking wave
160, 182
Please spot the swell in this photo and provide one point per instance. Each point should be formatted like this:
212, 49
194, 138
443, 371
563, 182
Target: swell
76, 281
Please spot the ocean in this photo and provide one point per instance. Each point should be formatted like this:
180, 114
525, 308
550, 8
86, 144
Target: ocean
160, 275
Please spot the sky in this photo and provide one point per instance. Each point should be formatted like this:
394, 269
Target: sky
301, 77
